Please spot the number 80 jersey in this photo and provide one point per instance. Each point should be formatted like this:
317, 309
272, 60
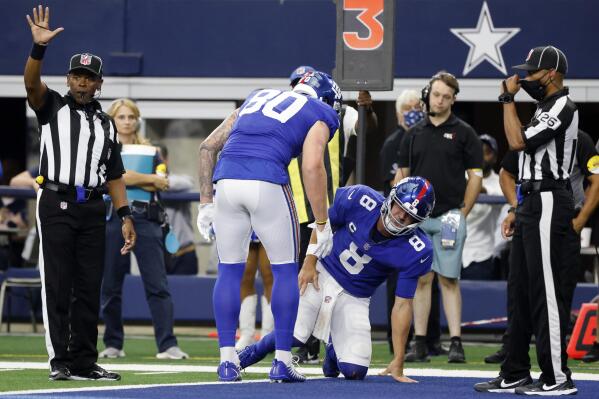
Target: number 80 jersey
357, 262
270, 131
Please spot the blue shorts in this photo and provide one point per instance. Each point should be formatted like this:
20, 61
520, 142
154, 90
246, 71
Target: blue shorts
446, 261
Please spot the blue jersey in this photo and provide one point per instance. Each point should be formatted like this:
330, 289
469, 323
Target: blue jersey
270, 131
357, 262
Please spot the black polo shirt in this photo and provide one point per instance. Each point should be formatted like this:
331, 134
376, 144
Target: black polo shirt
389, 156
442, 154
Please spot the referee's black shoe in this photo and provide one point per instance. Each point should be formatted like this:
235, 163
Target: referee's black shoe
95, 373
542, 389
60, 373
497, 357
501, 385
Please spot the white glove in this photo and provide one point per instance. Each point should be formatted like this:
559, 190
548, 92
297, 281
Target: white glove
205, 218
324, 241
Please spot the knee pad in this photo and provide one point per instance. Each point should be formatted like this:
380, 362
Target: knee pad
353, 371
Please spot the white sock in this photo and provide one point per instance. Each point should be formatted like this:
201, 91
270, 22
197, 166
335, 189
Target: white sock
228, 354
247, 321
268, 322
283, 356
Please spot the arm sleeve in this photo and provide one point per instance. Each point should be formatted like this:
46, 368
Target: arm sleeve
349, 122
473, 151
510, 162
114, 167
52, 103
547, 125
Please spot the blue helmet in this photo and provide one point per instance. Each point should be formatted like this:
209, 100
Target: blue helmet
416, 196
298, 73
321, 86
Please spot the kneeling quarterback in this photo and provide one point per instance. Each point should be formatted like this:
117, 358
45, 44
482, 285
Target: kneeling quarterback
373, 236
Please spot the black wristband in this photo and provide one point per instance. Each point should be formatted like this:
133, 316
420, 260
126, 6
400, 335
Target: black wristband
512, 209
123, 212
506, 97
37, 51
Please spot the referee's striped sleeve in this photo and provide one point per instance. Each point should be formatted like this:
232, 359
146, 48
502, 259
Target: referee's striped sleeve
548, 124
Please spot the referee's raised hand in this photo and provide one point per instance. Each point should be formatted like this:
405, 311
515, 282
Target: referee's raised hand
40, 26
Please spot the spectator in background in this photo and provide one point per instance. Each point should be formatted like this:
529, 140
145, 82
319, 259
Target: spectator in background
443, 149
185, 260
408, 109
481, 223
30, 252
409, 112
149, 251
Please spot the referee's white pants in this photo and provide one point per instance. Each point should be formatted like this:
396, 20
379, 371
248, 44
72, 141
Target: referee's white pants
267, 208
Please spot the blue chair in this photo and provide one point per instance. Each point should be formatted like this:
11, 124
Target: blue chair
29, 280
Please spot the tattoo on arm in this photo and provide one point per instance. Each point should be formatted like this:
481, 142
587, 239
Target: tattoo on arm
209, 150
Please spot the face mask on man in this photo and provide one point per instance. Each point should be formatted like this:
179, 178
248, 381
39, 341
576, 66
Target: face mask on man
534, 88
412, 117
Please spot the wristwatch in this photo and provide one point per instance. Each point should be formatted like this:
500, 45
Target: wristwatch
126, 217
506, 97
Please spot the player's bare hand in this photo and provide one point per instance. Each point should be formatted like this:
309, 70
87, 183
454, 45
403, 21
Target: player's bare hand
395, 370
507, 226
308, 275
40, 26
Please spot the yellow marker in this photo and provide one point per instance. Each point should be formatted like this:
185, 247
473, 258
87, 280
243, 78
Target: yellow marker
593, 164
39, 179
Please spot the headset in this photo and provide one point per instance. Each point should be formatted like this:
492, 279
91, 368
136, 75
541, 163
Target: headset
425, 94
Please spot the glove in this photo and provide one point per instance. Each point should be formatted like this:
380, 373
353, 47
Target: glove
324, 241
205, 219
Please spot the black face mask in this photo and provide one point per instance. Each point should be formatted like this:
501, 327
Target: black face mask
534, 88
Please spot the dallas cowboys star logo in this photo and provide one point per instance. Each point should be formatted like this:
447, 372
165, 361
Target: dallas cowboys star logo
485, 42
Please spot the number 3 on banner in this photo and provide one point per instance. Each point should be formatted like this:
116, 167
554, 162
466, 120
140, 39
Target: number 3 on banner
370, 10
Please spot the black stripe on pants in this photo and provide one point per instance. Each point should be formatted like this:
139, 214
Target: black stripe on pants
544, 258
71, 262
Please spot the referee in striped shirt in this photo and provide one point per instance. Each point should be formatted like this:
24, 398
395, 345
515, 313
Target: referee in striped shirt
545, 246
79, 160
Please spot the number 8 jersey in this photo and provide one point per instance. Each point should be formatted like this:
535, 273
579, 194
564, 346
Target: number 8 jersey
270, 131
360, 261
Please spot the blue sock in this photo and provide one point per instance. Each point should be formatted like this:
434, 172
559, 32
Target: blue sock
266, 344
284, 303
226, 301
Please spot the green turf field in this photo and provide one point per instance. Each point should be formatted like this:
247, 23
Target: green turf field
203, 352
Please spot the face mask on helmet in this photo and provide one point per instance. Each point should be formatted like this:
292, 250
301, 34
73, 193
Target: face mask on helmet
416, 197
321, 86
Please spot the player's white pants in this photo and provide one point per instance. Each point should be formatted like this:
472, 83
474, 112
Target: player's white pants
267, 208
349, 321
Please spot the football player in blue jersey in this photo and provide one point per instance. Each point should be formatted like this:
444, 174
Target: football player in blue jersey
373, 236
256, 143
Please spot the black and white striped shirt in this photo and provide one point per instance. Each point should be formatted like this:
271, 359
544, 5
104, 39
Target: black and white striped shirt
550, 139
78, 144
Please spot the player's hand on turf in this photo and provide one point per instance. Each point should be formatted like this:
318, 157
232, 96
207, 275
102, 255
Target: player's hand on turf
395, 370
40, 26
204, 221
308, 275
324, 240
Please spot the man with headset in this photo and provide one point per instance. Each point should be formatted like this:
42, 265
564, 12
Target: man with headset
443, 149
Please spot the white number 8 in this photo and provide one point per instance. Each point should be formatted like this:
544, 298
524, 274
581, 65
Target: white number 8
417, 243
367, 202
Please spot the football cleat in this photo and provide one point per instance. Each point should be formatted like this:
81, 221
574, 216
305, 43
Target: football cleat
248, 356
280, 372
228, 372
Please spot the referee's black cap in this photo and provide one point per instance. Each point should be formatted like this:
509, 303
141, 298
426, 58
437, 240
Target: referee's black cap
86, 61
545, 57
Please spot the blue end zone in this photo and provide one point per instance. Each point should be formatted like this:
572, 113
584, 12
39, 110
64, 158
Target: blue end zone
372, 387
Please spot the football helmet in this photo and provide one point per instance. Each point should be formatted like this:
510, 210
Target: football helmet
416, 196
321, 86
298, 73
